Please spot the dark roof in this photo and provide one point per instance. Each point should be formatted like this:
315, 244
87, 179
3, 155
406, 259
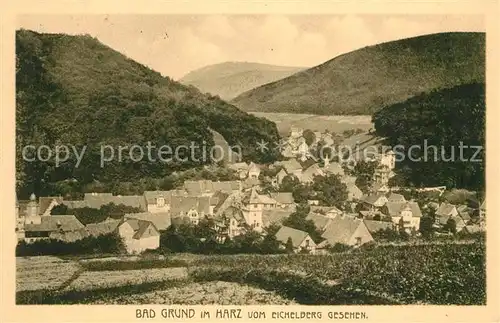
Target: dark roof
55, 223
106, 227
143, 227
374, 226
95, 201
185, 203
45, 201
69, 236
161, 220
233, 212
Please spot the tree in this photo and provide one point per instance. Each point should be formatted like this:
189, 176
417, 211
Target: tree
364, 171
426, 226
270, 244
331, 191
297, 220
289, 245
309, 136
451, 226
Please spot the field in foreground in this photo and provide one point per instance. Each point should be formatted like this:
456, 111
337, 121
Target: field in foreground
425, 274
338, 124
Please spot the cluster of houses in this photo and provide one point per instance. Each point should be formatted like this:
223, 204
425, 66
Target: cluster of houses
239, 205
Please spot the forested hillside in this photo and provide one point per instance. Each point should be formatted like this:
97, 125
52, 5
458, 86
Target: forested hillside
74, 90
363, 81
445, 119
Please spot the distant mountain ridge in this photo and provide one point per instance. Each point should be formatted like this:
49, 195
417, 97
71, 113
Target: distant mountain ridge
364, 80
229, 79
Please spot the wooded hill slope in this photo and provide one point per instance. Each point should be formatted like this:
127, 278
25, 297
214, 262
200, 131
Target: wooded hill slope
365, 80
445, 119
74, 90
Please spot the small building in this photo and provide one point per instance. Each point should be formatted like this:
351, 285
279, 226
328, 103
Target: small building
193, 207
405, 215
161, 221
253, 171
376, 226
373, 202
284, 199
396, 198
139, 235
329, 211
307, 176
321, 221
346, 230
300, 239
47, 225
276, 216
445, 212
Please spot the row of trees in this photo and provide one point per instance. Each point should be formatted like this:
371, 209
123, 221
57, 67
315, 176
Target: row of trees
88, 215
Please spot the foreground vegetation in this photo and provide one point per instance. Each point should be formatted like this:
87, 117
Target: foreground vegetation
404, 274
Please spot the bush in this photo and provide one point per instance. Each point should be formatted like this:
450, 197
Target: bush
109, 244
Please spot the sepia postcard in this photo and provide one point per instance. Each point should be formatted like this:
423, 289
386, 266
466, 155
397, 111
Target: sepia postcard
250, 161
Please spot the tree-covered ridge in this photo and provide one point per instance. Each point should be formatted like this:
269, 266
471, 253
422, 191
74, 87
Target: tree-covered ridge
443, 118
74, 90
364, 80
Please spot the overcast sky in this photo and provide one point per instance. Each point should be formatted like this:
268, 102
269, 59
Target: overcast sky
177, 44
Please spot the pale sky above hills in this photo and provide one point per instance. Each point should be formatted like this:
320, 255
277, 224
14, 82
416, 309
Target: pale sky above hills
177, 44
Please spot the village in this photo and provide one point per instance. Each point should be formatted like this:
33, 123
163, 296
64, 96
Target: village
261, 197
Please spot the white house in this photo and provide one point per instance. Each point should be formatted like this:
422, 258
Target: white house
139, 235
406, 215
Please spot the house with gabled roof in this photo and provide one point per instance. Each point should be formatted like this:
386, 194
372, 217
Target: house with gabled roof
353, 192
253, 204
193, 207
307, 176
376, 226
346, 230
291, 166
482, 209
139, 235
231, 222
445, 212
373, 202
321, 221
395, 198
406, 215
333, 168
240, 168
253, 170
162, 221
300, 239
284, 199
280, 175
275, 216
39, 230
